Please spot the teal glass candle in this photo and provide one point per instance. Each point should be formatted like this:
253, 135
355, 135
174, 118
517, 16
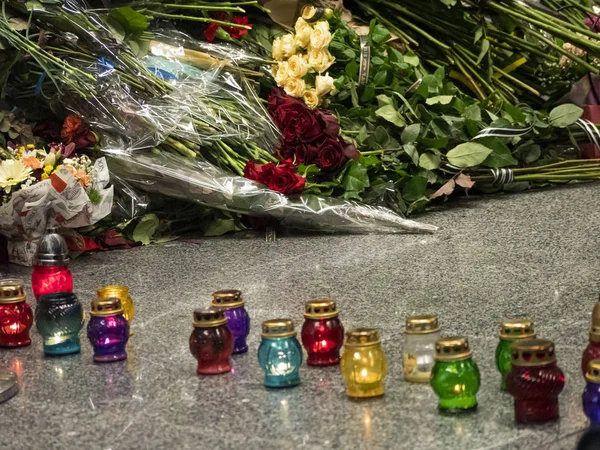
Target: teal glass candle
59, 319
280, 353
455, 377
511, 331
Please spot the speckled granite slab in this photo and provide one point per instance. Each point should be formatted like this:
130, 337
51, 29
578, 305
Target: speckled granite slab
534, 254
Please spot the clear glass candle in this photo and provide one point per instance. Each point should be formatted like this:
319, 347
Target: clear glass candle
591, 393
122, 293
511, 331
211, 342
108, 330
238, 320
455, 377
420, 335
535, 381
50, 271
322, 332
280, 353
15, 314
59, 319
363, 363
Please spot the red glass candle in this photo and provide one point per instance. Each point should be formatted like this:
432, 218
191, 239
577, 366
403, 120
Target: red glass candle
322, 333
15, 315
50, 271
535, 381
592, 351
211, 342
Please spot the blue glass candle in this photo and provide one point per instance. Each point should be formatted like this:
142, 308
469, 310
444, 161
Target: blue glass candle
238, 320
591, 393
280, 353
108, 330
59, 319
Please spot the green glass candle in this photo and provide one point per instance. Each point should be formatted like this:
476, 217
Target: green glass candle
511, 331
455, 377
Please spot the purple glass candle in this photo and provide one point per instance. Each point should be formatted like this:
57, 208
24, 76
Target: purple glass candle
108, 330
238, 320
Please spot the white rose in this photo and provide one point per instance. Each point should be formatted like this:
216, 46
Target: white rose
324, 84
321, 60
277, 50
282, 73
320, 37
288, 45
311, 98
297, 67
295, 87
303, 32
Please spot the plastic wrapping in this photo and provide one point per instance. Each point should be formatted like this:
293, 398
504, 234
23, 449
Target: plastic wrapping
208, 185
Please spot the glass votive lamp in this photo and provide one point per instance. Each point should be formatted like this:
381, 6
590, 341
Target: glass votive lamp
592, 351
322, 332
363, 363
211, 342
16, 317
511, 330
122, 293
280, 353
59, 319
420, 335
50, 271
238, 320
108, 330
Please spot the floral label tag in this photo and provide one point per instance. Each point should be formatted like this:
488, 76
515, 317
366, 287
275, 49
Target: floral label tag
365, 61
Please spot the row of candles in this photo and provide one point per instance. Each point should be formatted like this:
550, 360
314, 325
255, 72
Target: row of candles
527, 365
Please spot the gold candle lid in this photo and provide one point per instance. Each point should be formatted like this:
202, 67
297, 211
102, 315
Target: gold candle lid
107, 306
11, 290
116, 291
208, 317
454, 348
278, 328
229, 298
593, 372
320, 309
532, 352
513, 329
596, 314
424, 324
360, 337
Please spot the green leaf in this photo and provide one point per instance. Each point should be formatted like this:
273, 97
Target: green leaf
352, 70
380, 77
145, 229
441, 99
368, 93
132, 21
410, 133
379, 33
449, 3
306, 171
367, 161
472, 112
515, 112
354, 94
485, 46
411, 151
362, 134
414, 189
565, 115
468, 154
478, 34
219, 227
429, 161
383, 100
530, 153
381, 136
500, 156
411, 59
355, 178
434, 142
389, 113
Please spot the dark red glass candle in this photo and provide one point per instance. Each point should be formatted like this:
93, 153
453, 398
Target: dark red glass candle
16, 317
211, 342
322, 333
535, 381
50, 271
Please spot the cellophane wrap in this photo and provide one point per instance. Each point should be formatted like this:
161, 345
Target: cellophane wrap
208, 185
59, 199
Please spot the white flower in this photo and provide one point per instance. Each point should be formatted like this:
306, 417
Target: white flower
321, 60
303, 32
50, 160
295, 87
297, 67
324, 84
282, 73
320, 37
311, 98
288, 45
277, 50
12, 173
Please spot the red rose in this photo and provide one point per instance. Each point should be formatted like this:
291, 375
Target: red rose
220, 15
76, 132
237, 33
211, 31
71, 125
286, 180
330, 155
329, 123
261, 173
349, 149
297, 122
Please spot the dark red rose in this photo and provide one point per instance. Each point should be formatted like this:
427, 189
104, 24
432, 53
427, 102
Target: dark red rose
220, 15
297, 122
211, 31
237, 33
285, 180
330, 155
277, 97
76, 132
329, 123
86, 139
48, 130
349, 149
261, 173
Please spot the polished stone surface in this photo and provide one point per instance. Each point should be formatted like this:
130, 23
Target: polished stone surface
533, 254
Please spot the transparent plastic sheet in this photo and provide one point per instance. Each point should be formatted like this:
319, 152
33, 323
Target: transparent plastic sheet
208, 185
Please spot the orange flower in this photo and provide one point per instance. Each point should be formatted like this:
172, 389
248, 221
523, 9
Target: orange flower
84, 178
70, 126
71, 170
32, 162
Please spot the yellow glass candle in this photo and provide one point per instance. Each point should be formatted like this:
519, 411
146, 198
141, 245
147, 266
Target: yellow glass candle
122, 293
363, 363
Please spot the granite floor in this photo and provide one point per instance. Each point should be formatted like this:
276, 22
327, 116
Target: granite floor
534, 254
